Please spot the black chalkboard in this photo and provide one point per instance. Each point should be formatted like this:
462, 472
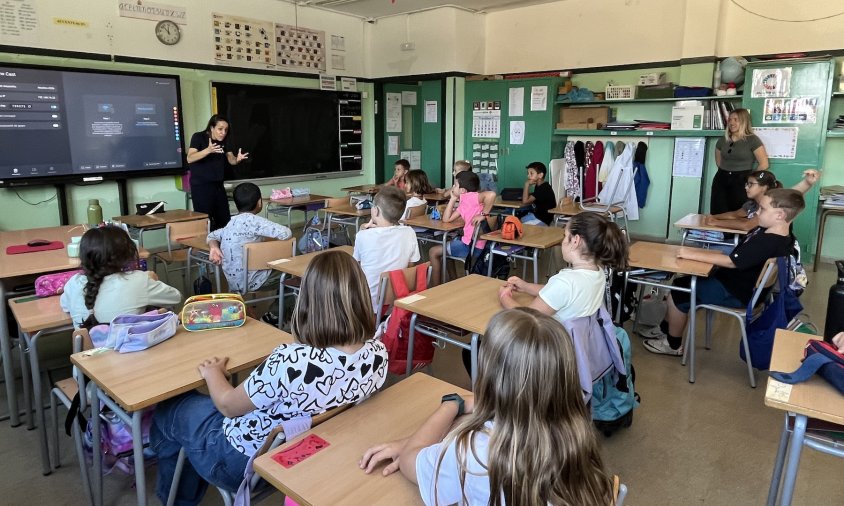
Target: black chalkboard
290, 132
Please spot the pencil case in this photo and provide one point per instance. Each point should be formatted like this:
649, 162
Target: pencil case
213, 311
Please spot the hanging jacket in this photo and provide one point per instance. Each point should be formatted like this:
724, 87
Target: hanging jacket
590, 183
557, 172
588, 149
606, 163
596, 348
641, 181
571, 180
619, 185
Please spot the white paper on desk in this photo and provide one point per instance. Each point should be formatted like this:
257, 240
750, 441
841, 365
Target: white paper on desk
778, 390
410, 299
688, 156
538, 98
431, 111
392, 144
516, 103
517, 132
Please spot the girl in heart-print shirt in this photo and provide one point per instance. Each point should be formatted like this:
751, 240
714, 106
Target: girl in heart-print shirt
333, 361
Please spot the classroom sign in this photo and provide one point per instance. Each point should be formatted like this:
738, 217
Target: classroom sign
771, 83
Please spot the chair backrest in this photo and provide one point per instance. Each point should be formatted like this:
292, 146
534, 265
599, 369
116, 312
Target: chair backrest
276, 436
386, 295
415, 212
183, 229
767, 278
257, 254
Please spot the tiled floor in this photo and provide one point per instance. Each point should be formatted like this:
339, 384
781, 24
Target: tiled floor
712, 442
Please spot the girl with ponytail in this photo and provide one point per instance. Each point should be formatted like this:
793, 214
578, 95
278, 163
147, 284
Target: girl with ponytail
591, 243
106, 288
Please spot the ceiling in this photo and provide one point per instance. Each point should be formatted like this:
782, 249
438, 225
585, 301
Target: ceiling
374, 9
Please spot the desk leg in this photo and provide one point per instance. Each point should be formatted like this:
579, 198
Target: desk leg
474, 357
536, 265
35, 369
96, 435
444, 272
489, 260
281, 299
778, 465
410, 340
794, 448
819, 245
23, 355
690, 340
187, 271
328, 221
141, 237
8, 368
138, 453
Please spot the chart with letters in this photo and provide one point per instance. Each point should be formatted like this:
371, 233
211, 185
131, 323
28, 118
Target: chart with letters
243, 41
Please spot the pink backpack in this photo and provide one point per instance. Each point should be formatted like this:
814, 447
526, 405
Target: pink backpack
53, 283
398, 326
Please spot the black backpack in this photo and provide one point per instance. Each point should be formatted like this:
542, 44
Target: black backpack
480, 264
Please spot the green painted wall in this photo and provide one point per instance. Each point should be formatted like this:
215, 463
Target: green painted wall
432, 133
196, 108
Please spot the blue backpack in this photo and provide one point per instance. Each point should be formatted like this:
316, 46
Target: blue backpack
613, 396
314, 238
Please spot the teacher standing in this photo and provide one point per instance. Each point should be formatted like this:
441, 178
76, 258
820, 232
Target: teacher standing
207, 158
735, 155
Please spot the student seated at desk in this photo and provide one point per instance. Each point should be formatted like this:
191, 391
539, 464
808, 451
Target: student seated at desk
399, 178
383, 245
417, 186
525, 439
542, 199
486, 186
591, 243
734, 279
246, 227
106, 289
332, 327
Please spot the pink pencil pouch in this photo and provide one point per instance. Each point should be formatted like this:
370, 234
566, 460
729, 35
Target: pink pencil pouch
53, 283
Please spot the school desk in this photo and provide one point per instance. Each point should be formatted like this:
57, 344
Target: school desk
697, 222
37, 316
535, 238
129, 382
27, 264
826, 212
435, 198
435, 226
512, 205
815, 399
346, 210
145, 222
370, 189
286, 206
198, 249
331, 476
467, 303
295, 267
563, 213
653, 256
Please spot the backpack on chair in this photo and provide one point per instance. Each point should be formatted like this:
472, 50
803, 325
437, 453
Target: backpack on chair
511, 229
397, 333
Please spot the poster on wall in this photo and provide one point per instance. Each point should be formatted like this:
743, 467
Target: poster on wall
771, 83
485, 157
779, 142
242, 41
688, 157
486, 119
18, 21
517, 132
516, 102
393, 112
791, 110
300, 48
142, 9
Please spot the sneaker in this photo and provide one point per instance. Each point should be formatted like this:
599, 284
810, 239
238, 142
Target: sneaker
652, 333
271, 318
661, 347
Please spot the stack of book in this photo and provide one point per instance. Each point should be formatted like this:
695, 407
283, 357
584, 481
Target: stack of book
838, 124
717, 113
646, 124
833, 196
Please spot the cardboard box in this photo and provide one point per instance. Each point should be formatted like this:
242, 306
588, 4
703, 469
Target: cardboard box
656, 91
687, 118
652, 79
589, 118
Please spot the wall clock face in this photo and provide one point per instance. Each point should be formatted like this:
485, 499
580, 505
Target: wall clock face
168, 32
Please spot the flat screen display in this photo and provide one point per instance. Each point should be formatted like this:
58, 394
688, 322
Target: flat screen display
60, 125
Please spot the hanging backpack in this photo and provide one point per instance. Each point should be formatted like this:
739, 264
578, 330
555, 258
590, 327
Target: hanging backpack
614, 396
314, 238
511, 229
202, 285
395, 337
479, 264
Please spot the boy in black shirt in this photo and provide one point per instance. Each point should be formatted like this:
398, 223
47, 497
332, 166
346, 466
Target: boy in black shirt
542, 199
735, 277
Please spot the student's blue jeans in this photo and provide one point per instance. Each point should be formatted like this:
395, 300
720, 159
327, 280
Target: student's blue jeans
191, 421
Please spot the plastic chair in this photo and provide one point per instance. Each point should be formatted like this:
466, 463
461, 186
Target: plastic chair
274, 439
257, 254
176, 253
764, 282
65, 390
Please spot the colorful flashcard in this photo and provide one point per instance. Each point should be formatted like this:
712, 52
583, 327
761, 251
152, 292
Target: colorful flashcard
299, 48
243, 41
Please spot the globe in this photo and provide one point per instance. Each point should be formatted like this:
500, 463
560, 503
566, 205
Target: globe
732, 70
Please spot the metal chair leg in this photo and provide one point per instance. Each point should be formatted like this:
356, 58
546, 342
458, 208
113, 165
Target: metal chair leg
55, 432
746, 346
709, 316
177, 475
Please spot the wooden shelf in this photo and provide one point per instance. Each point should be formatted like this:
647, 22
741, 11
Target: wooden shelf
647, 100
641, 133
835, 133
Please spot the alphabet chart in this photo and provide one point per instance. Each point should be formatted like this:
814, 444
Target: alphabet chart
243, 41
299, 48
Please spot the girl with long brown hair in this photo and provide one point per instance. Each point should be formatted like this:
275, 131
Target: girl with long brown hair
527, 438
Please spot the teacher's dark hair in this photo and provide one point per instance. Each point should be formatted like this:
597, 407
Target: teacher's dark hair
212, 122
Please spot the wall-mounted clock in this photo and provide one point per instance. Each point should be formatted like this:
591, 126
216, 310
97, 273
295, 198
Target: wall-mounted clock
168, 32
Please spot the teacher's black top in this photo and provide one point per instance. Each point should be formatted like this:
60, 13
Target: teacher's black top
209, 170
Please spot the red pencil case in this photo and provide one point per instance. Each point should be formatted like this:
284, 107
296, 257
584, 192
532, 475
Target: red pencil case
23, 248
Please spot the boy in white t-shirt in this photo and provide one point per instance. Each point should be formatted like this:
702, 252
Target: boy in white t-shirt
383, 245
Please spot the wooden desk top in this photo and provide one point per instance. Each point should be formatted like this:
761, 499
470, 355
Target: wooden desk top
512, 204
695, 221
449, 302
348, 210
199, 242
141, 379
297, 265
160, 219
362, 188
42, 261
388, 415
814, 398
40, 313
299, 201
435, 197
430, 224
573, 209
535, 236
663, 257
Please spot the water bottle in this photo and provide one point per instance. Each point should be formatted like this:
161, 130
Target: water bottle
95, 213
835, 306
